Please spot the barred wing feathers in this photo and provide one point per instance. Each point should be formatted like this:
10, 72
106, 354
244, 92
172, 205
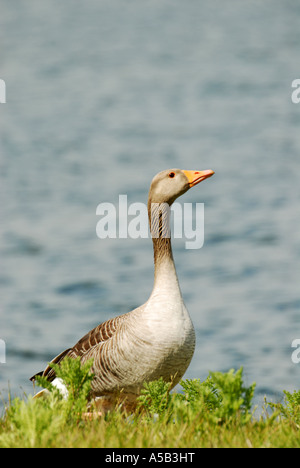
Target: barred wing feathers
86, 344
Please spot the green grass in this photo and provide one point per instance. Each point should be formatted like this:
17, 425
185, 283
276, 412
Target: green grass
217, 412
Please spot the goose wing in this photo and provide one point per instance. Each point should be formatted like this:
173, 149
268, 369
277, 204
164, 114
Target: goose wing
99, 334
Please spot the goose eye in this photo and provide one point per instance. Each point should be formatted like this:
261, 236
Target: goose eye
172, 175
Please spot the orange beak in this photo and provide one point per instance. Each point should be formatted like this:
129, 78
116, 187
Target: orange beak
195, 177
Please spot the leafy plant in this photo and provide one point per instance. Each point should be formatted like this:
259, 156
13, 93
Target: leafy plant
155, 397
215, 412
77, 378
221, 397
39, 421
200, 395
290, 408
234, 398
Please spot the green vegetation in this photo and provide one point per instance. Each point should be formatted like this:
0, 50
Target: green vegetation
214, 413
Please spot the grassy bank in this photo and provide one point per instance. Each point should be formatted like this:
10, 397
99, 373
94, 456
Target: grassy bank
217, 412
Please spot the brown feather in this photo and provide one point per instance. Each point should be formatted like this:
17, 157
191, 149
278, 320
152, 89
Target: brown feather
99, 334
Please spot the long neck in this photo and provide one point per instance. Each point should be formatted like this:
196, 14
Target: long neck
164, 267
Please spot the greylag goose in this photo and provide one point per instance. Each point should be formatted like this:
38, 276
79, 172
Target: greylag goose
157, 339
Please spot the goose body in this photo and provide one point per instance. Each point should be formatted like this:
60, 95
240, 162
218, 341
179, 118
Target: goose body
157, 339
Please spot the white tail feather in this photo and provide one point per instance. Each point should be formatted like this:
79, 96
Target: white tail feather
58, 383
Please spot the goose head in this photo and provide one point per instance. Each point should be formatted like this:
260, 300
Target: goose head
168, 185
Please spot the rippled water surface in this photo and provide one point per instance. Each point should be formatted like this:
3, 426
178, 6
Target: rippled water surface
102, 95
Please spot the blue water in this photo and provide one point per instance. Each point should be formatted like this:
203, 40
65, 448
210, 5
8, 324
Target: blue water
102, 95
